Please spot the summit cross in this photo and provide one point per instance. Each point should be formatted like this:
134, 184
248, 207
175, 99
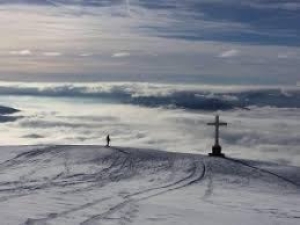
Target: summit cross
216, 149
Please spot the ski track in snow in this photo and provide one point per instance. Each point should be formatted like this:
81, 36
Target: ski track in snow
194, 177
84, 172
119, 163
265, 171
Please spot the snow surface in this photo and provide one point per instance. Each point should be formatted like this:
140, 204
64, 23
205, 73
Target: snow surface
43, 185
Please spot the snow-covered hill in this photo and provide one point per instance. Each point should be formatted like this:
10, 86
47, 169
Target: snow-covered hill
88, 185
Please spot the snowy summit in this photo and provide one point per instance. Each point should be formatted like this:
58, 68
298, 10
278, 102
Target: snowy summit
91, 185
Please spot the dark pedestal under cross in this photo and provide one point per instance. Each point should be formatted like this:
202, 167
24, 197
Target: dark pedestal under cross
216, 149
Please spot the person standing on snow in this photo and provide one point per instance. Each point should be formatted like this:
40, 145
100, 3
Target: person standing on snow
107, 140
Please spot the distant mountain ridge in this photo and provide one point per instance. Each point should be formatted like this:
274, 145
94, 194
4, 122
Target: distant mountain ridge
4, 110
5, 114
151, 95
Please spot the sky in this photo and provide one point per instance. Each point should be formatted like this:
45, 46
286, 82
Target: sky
210, 41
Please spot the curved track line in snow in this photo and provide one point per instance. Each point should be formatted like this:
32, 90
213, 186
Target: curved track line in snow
264, 171
119, 165
14, 161
194, 177
122, 151
53, 216
193, 181
26, 187
210, 187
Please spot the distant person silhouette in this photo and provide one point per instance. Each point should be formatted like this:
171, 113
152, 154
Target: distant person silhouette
107, 141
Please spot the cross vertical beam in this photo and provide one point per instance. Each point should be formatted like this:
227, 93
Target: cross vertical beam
216, 149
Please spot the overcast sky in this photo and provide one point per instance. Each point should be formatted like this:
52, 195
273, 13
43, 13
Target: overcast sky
219, 41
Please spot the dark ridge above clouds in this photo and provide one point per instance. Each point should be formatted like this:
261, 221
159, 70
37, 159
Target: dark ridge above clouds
208, 101
5, 114
7, 110
177, 97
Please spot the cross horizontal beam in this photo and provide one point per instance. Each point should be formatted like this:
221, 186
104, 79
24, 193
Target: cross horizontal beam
218, 124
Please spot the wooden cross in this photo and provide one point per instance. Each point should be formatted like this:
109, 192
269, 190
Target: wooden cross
216, 149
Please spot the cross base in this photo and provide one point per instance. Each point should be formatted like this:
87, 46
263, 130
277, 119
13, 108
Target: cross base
216, 151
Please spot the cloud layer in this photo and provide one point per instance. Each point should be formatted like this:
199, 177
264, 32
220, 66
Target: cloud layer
54, 117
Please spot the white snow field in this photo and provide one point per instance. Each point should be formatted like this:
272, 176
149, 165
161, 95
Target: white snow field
86, 185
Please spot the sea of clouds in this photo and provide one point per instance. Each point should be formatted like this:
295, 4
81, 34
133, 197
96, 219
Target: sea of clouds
263, 122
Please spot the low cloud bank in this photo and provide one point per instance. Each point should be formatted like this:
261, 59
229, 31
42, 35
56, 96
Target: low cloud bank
263, 132
206, 98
